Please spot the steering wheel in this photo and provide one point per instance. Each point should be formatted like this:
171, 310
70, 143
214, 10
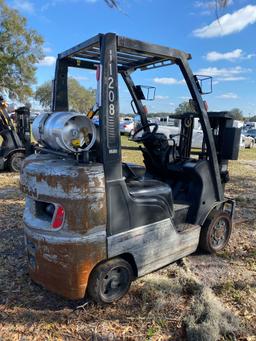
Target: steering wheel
147, 134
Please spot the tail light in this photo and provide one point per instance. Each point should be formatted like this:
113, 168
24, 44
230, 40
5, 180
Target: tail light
58, 217
48, 216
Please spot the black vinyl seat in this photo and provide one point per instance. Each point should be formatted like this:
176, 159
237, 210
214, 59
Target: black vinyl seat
132, 171
151, 189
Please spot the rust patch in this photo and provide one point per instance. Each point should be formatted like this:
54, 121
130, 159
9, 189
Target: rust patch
79, 189
65, 268
63, 260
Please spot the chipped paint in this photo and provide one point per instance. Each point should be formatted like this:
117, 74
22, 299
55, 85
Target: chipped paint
80, 189
143, 244
63, 260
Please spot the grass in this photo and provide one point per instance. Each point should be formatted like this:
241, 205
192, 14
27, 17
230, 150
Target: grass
247, 154
235, 168
131, 156
196, 299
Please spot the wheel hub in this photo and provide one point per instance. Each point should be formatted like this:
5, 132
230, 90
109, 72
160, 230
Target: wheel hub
114, 282
219, 233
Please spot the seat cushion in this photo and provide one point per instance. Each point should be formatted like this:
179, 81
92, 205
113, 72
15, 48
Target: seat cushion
133, 171
150, 189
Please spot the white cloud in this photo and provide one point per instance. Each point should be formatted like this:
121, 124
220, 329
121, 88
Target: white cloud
231, 56
209, 4
80, 78
47, 61
208, 7
24, 6
162, 97
250, 56
204, 4
225, 74
228, 23
185, 98
214, 56
47, 49
228, 95
167, 81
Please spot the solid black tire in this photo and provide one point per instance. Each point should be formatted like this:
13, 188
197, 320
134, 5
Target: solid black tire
94, 289
13, 159
207, 229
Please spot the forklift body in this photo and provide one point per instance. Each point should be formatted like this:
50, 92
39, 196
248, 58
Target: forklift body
93, 223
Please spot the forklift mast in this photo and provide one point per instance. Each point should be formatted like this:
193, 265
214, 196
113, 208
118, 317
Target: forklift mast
7, 129
116, 54
23, 128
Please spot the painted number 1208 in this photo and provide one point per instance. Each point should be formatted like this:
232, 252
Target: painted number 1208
111, 93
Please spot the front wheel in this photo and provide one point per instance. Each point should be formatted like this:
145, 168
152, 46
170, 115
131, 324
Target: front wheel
215, 232
110, 281
15, 161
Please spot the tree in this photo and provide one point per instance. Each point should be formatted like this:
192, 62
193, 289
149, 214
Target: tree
253, 118
237, 114
43, 95
20, 50
80, 99
184, 107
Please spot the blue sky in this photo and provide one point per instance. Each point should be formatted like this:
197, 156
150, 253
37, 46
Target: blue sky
223, 48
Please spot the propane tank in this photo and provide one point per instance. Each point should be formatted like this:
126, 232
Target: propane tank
64, 131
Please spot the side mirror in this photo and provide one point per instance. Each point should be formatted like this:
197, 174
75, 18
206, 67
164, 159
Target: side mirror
204, 84
144, 92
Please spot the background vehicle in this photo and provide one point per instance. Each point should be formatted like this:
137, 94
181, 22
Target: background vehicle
251, 133
197, 137
93, 223
15, 141
126, 127
249, 125
247, 141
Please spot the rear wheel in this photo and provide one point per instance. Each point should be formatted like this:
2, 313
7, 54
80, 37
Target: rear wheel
15, 161
215, 232
110, 280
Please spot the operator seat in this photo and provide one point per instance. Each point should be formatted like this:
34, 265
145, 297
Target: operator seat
151, 189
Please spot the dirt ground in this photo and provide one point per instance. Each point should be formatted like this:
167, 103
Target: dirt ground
202, 297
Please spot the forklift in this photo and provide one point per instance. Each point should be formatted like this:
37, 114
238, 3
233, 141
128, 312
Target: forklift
15, 142
93, 224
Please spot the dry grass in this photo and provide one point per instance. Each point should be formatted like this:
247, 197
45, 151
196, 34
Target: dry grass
208, 319
195, 300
